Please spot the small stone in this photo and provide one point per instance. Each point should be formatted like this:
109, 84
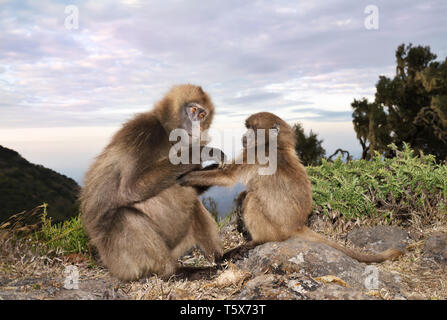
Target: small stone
379, 238
435, 248
231, 276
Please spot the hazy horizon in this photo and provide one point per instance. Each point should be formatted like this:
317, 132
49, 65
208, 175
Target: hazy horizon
70, 151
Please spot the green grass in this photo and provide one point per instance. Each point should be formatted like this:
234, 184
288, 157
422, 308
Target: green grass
400, 189
222, 221
68, 235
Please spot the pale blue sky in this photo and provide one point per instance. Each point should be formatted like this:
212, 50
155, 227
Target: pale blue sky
64, 92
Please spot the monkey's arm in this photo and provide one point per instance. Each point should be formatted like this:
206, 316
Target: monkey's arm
202, 189
227, 176
153, 180
156, 178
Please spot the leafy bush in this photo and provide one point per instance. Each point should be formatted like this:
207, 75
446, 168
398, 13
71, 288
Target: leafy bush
396, 189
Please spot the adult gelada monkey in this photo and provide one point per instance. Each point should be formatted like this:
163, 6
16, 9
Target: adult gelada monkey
275, 207
136, 215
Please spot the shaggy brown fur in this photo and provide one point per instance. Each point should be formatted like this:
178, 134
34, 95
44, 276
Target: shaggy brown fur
275, 207
133, 210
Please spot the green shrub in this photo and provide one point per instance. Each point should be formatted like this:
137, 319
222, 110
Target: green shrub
68, 236
401, 188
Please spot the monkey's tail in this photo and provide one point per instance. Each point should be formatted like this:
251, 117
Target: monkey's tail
310, 235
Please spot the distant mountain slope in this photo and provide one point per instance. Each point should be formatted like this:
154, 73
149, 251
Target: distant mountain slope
24, 185
224, 197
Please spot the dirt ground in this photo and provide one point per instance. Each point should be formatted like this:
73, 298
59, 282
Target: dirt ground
26, 274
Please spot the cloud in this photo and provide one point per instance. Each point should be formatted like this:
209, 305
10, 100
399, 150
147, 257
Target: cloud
253, 98
320, 115
249, 55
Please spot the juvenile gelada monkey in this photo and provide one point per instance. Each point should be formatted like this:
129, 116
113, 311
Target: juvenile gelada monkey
275, 207
134, 212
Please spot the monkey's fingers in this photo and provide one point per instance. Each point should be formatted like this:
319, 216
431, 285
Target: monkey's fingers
210, 167
213, 154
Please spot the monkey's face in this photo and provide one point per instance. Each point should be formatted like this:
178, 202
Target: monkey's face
195, 120
189, 108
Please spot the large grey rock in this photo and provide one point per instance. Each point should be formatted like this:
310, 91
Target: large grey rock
379, 238
316, 260
435, 248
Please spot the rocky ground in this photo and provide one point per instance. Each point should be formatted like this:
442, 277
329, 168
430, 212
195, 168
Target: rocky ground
292, 269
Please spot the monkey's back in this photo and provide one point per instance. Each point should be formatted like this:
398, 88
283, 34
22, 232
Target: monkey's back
99, 192
103, 189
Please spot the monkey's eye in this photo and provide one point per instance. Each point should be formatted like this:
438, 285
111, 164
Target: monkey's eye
193, 109
202, 115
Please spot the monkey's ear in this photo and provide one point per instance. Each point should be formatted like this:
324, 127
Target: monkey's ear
201, 90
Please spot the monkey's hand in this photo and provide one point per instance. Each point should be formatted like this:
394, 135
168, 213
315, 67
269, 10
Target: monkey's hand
210, 167
212, 154
215, 177
201, 189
